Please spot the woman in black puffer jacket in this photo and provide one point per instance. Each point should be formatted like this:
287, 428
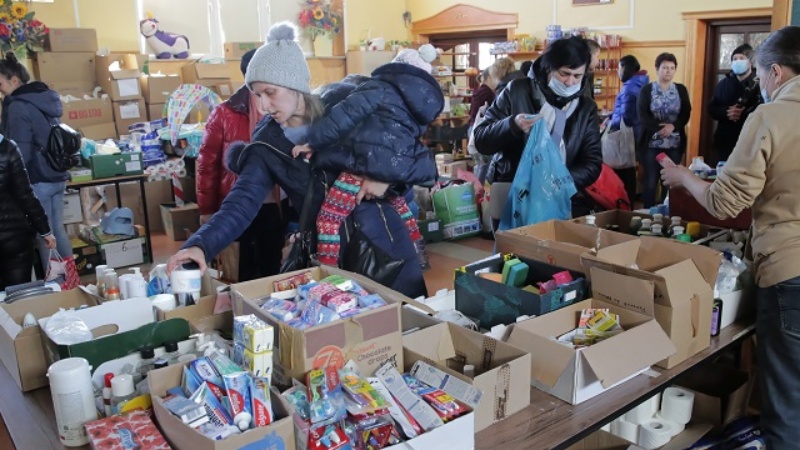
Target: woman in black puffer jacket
20, 215
554, 88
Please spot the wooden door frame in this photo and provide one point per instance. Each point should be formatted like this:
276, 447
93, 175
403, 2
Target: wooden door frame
697, 31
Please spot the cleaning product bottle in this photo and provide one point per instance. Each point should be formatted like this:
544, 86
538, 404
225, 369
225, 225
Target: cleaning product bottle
646, 229
73, 399
698, 166
107, 393
122, 391
146, 365
657, 230
676, 222
172, 354
658, 218
137, 286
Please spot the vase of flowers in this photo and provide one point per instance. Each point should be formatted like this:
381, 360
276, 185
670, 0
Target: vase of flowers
19, 31
321, 22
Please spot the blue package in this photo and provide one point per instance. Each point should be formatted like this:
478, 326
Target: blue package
190, 382
302, 290
283, 310
317, 314
371, 301
350, 313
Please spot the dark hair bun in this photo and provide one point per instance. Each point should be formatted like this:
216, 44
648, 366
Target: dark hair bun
11, 57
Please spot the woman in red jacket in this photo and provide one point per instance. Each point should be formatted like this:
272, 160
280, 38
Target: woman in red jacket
234, 121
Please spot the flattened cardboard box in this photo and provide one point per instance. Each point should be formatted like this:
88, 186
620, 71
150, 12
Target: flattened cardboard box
370, 338
557, 243
503, 372
82, 113
71, 40
77, 66
684, 277
279, 434
21, 349
576, 375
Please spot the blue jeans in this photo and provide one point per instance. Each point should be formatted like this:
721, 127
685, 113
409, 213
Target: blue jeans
51, 196
652, 174
778, 331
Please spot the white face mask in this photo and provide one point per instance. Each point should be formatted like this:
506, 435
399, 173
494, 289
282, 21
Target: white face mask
561, 89
764, 94
740, 66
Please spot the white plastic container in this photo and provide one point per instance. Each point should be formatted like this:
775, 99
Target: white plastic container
186, 285
137, 286
73, 399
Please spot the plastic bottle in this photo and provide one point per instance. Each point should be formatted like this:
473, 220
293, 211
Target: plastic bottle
658, 218
675, 222
172, 354
107, 393
716, 317
677, 231
657, 230
73, 399
698, 166
636, 225
693, 229
160, 363
112, 291
146, 365
100, 275
137, 286
646, 229
121, 392
591, 220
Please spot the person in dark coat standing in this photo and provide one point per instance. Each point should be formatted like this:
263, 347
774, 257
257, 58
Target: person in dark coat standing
279, 76
232, 121
483, 96
30, 109
625, 110
379, 125
556, 87
21, 218
735, 97
664, 109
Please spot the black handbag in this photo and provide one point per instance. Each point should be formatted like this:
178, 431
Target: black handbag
365, 258
299, 256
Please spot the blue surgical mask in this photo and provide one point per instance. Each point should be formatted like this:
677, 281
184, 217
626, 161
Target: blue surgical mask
740, 66
561, 89
764, 94
298, 135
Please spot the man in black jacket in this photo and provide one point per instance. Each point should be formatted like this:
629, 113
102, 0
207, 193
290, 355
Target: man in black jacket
736, 96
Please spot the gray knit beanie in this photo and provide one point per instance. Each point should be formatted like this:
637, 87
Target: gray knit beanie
280, 61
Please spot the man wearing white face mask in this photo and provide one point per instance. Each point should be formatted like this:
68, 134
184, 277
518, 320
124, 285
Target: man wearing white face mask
551, 92
736, 96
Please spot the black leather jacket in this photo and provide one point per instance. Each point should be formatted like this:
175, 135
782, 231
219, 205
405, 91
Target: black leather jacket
20, 210
500, 136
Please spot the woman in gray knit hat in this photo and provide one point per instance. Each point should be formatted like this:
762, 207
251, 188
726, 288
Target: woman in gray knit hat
278, 75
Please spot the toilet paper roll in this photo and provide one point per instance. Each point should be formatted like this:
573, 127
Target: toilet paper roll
186, 281
164, 302
181, 173
180, 164
639, 415
654, 433
607, 427
677, 428
626, 430
170, 165
676, 405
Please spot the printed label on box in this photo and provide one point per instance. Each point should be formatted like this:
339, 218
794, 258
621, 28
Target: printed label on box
433, 226
133, 166
128, 87
125, 253
88, 113
129, 111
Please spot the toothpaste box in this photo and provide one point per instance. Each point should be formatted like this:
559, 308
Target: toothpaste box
253, 333
259, 364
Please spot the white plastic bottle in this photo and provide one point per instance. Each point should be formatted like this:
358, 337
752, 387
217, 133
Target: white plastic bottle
122, 391
137, 286
591, 220
698, 166
73, 399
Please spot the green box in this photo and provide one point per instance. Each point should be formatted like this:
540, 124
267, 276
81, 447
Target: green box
77, 174
431, 230
120, 164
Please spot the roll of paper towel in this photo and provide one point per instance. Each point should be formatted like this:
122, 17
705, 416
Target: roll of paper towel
626, 430
654, 434
676, 405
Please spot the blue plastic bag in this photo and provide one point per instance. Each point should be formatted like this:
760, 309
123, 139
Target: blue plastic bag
542, 186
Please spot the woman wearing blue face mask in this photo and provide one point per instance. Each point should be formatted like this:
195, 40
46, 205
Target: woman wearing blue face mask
553, 92
664, 110
762, 173
736, 96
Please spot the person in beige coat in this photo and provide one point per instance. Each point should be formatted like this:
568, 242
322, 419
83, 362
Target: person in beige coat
763, 172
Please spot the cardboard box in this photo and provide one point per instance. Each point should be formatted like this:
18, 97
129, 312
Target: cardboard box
87, 257
76, 66
503, 372
684, 277
370, 338
72, 208
720, 394
81, 113
191, 73
99, 132
157, 89
122, 84
155, 111
576, 375
71, 40
156, 193
222, 87
235, 50
178, 219
75, 88
431, 230
557, 243
492, 303
21, 349
127, 113
279, 434
106, 166
622, 220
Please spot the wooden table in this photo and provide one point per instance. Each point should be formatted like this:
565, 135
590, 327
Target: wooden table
116, 182
546, 423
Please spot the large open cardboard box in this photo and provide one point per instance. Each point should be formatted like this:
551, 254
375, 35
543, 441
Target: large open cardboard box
558, 243
21, 349
121, 84
684, 277
576, 375
622, 219
370, 338
181, 436
502, 371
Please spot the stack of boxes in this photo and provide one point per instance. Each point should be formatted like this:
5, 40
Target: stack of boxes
118, 75
156, 90
68, 65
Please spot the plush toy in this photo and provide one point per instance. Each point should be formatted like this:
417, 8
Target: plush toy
165, 45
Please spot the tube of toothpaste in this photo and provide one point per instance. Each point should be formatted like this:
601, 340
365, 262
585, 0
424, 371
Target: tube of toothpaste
223, 364
217, 413
190, 382
238, 388
261, 407
205, 371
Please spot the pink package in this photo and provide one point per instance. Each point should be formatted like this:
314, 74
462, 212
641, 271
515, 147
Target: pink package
562, 278
318, 291
342, 302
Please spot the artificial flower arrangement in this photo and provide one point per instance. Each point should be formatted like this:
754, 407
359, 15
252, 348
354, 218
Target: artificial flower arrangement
19, 31
318, 18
